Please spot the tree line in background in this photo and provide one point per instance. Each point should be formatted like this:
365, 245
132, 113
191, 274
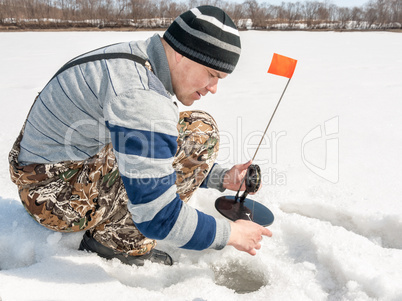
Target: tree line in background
50, 14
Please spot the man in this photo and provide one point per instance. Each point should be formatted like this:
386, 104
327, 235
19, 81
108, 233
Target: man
104, 148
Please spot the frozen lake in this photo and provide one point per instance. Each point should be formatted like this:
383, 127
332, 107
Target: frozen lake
331, 165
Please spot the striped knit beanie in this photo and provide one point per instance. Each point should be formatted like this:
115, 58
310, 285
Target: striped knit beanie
207, 35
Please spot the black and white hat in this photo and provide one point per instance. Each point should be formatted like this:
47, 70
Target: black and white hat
207, 35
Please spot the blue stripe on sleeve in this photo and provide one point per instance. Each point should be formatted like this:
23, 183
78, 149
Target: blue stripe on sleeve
204, 234
161, 225
142, 143
141, 191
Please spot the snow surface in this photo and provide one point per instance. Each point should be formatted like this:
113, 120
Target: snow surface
331, 164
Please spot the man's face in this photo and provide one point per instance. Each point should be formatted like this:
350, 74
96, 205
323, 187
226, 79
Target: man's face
192, 80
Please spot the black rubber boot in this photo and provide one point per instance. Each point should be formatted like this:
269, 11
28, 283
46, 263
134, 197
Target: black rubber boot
89, 244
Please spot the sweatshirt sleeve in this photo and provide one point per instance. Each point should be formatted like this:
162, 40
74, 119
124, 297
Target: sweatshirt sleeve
143, 131
215, 178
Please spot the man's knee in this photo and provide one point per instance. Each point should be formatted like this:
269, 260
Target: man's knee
198, 132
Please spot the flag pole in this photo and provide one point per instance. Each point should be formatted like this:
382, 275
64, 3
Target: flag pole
263, 135
273, 114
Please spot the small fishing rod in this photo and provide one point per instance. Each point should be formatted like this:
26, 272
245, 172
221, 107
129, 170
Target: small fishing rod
236, 207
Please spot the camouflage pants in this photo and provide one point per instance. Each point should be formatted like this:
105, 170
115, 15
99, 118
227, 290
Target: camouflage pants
89, 195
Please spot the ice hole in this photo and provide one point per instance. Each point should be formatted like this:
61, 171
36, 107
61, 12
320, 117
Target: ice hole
240, 277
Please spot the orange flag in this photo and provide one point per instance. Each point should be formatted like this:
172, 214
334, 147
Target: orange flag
282, 66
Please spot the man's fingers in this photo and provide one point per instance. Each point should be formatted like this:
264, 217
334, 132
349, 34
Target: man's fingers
266, 232
252, 252
247, 164
243, 167
247, 236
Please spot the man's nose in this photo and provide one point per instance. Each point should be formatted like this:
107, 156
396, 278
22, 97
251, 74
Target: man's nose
213, 86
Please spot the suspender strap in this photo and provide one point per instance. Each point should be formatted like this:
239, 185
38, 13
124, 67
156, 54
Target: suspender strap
101, 56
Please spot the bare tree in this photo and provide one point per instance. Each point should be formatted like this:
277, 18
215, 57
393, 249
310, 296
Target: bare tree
381, 7
396, 11
290, 12
255, 13
236, 12
143, 9
323, 12
376, 13
171, 9
343, 16
122, 7
310, 12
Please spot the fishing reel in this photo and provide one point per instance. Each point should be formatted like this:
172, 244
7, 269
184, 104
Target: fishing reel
240, 207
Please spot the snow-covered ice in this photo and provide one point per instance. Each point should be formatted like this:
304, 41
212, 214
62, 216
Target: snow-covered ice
331, 164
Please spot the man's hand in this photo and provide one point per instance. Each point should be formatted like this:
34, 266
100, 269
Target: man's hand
235, 175
246, 236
